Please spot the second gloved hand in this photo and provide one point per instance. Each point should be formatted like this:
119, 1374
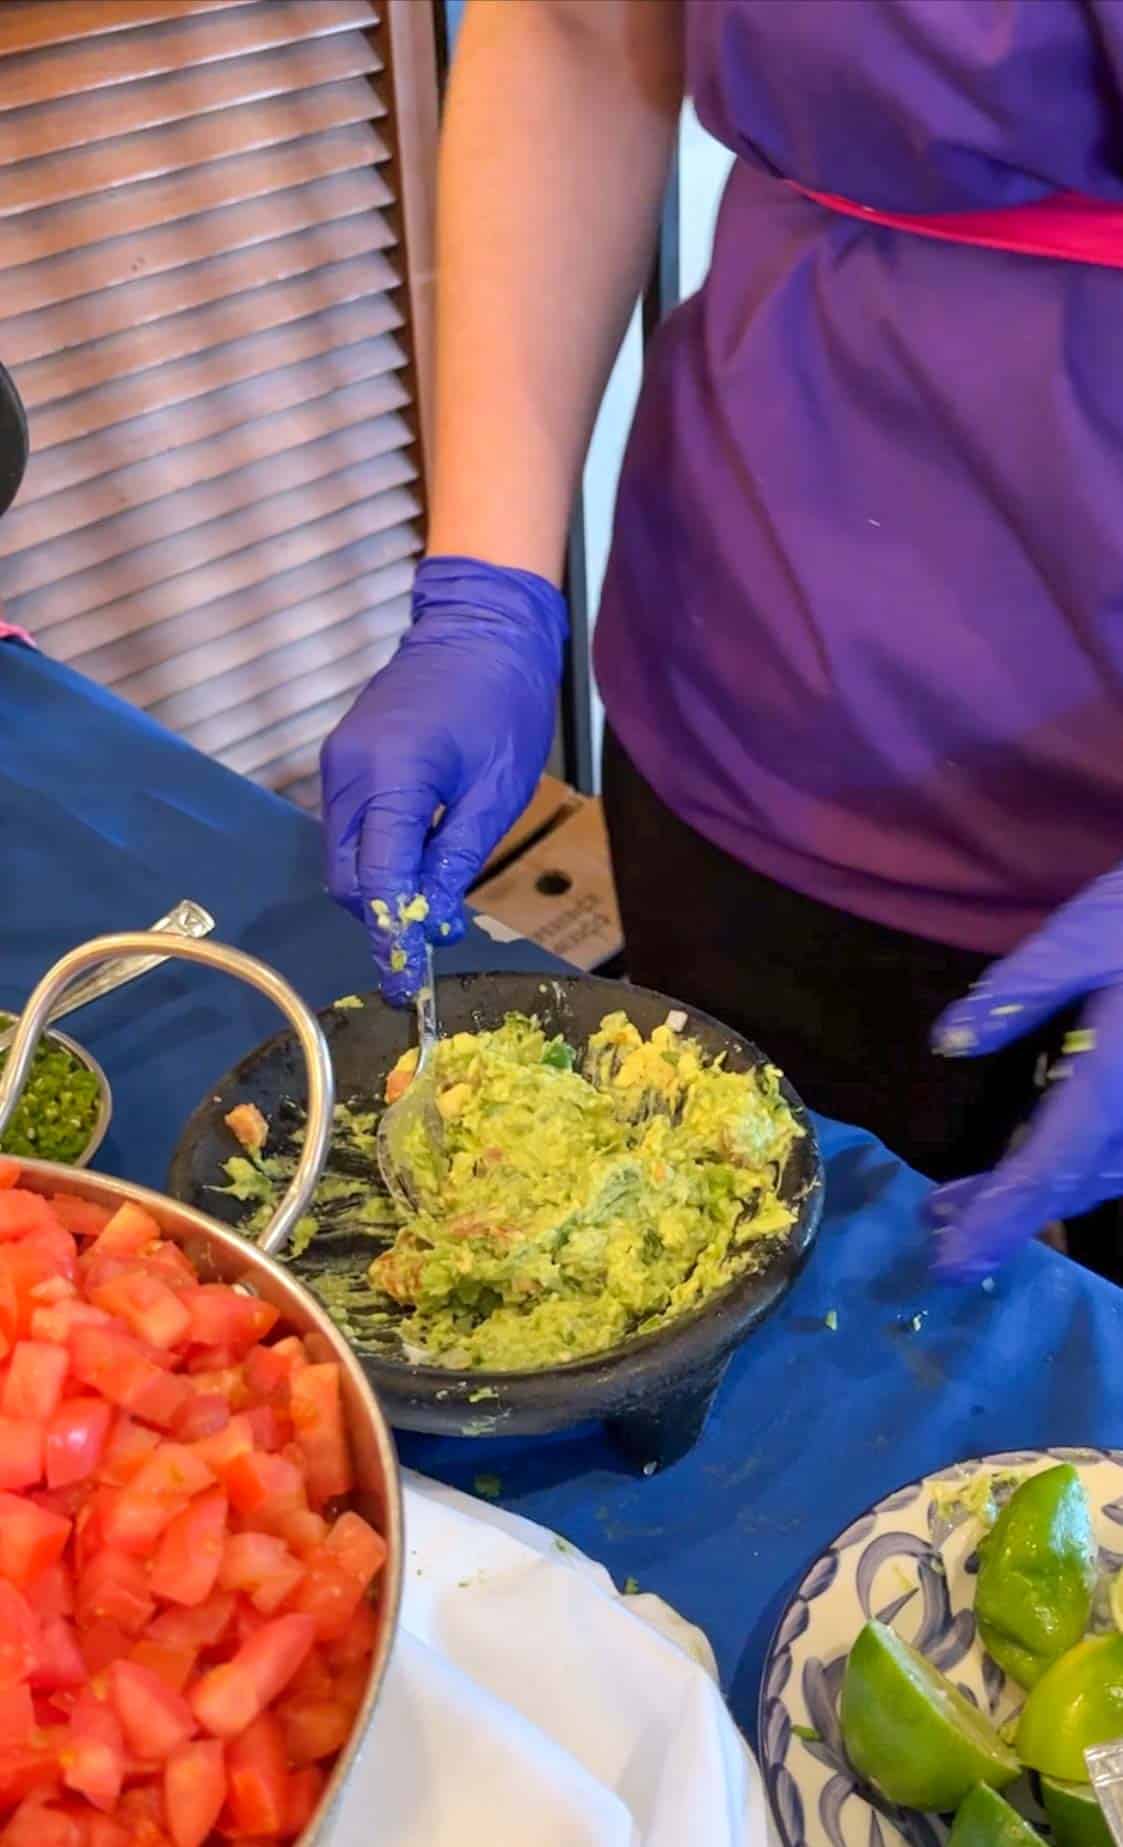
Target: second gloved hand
1071, 1158
462, 719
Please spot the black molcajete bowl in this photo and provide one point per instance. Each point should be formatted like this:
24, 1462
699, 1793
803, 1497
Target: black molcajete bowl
653, 1391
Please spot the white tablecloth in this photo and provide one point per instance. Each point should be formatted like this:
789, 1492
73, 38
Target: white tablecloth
530, 1705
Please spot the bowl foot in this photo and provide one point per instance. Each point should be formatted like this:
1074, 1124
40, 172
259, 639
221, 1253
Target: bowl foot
664, 1430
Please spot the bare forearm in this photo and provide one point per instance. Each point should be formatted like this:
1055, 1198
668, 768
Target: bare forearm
557, 139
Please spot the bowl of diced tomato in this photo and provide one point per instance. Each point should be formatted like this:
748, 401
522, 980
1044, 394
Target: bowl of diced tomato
200, 1551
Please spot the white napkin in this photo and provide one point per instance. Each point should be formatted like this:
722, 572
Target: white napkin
529, 1705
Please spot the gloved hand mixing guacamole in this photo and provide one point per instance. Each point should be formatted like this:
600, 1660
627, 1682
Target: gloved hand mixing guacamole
580, 1208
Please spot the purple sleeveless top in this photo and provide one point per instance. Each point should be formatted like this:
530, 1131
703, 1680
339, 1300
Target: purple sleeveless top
863, 619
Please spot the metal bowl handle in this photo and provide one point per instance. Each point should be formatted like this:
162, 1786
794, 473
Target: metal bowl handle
321, 1082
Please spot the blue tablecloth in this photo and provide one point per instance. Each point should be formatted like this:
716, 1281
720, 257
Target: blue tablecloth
105, 820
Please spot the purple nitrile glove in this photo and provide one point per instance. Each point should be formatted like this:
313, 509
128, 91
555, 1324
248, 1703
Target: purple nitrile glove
462, 719
1071, 1158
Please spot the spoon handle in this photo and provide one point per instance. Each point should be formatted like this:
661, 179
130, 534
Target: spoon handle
428, 1026
187, 919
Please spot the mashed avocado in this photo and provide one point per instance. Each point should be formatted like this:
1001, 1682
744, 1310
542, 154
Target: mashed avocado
582, 1207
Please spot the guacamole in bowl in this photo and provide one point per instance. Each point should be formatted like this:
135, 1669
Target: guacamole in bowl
585, 1201
659, 1189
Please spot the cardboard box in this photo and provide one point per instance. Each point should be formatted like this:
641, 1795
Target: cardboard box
551, 802
558, 891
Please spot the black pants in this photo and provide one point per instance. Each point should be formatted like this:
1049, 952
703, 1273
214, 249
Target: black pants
844, 1006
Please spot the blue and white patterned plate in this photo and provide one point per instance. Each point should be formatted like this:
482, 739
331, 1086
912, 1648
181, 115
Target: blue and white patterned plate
910, 1562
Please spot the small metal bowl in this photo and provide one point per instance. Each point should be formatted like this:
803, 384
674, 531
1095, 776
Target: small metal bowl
105, 1095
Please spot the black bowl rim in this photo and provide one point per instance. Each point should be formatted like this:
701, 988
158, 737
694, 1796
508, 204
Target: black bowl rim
679, 1345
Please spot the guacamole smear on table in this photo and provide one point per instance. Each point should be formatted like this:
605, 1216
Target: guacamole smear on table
584, 1200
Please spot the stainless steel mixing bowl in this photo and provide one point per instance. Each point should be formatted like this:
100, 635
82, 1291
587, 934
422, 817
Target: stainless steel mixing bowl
222, 1255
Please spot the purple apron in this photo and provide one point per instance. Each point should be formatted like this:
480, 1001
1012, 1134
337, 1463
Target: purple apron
863, 620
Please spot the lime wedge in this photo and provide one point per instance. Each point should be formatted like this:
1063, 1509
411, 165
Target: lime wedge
1037, 1573
1075, 1816
1079, 1702
985, 1819
911, 1733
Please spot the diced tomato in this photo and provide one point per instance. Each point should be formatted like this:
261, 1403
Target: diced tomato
141, 1813
204, 1415
194, 1790
247, 1621
190, 1553
22, 1267
358, 1639
263, 1567
57, 1248
17, 1715
146, 1305
19, 1638
21, 1452
128, 1516
257, 1778
81, 1216
122, 1370
26, 1769
9, 1172
58, 1659
129, 1229
268, 1371
31, 1540
329, 1594
171, 1665
302, 1531
162, 1400
112, 1362
154, 1718
52, 1594
221, 1317
56, 1321
351, 1684
102, 1643
131, 1521
22, 1212
272, 1428
36, 1824
103, 1831
87, 1535
129, 1447
66, 1502
174, 1263
317, 1413
306, 1787
173, 1469
314, 1679
93, 1758
223, 1449
230, 1697
55, 1289
204, 1626
265, 1488
314, 1728
113, 1588
357, 1547
34, 1381
76, 1438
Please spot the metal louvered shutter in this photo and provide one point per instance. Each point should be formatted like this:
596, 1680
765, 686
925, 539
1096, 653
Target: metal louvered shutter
203, 234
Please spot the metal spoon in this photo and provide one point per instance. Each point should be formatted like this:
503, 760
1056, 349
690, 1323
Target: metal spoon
416, 1110
186, 919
